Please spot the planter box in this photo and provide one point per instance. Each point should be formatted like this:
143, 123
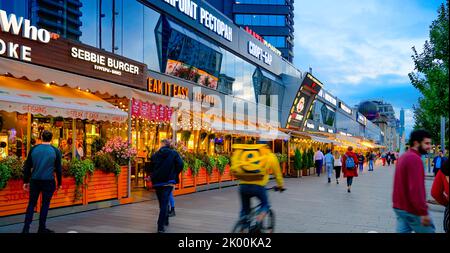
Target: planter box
101, 186
214, 177
226, 176
202, 177
13, 199
66, 196
187, 180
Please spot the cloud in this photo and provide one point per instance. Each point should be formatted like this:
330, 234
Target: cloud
357, 41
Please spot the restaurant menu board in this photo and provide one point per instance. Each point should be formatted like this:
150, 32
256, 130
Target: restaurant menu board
306, 95
150, 111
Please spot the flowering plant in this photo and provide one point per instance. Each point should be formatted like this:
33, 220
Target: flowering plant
120, 150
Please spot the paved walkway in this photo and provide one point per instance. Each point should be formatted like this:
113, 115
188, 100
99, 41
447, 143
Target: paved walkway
309, 205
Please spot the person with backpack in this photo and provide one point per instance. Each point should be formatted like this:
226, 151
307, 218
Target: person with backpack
350, 167
329, 164
251, 164
165, 168
42, 162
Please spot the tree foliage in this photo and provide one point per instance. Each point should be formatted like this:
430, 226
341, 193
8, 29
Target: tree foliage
431, 76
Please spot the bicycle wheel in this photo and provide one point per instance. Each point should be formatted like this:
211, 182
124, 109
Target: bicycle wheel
241, 227
268, 223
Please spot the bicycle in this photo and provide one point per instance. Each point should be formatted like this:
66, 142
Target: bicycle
250, 224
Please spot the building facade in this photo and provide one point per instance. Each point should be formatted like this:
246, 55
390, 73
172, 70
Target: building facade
273, 20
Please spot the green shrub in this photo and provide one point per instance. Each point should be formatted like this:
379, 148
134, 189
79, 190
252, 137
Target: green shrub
15, 165
297, 159
106, 163
5, 175
222, 162
79, 170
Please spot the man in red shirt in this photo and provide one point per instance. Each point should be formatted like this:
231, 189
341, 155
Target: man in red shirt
409, 196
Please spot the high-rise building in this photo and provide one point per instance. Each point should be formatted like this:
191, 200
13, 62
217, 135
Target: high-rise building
58, 16
273, 20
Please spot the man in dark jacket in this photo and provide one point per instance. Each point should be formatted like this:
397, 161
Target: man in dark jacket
45, 160
165, 167
438, 161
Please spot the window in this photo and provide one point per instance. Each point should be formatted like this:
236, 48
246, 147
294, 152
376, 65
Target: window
273, 2
260, 20
276, 41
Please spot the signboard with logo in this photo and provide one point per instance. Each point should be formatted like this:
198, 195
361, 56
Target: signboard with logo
361, 118
345, 108
21, 41
302, 105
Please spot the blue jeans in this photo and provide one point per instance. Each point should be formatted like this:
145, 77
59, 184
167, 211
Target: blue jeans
361, 166
47, 188
163, 194
370, 165
248, 191
329, 169
171, 200
408, 222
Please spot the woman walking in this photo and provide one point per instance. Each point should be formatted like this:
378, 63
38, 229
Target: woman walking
350, 167
337, 165
439, 191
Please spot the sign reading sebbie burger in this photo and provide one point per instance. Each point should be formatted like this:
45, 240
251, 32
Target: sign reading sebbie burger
21, 41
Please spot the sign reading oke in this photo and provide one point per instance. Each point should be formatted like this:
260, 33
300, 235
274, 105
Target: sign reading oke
259, 53
20, 27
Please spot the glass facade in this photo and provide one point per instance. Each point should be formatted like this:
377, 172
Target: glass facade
276, 41
260, 20
18, 7
275, 2
347, 123
322, 113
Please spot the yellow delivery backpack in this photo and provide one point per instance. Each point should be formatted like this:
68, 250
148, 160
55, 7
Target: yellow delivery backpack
250, 162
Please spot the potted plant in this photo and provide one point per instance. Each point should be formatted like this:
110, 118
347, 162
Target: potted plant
298, 161
5, 175
282, 159
120, 150
104, 162
97, 145
305, 163
79, 169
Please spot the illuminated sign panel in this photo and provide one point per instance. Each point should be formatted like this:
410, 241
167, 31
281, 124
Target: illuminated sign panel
191, 9
361, 119
345, 108
302, 105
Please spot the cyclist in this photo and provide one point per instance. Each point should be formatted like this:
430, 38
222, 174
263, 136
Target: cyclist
252, 165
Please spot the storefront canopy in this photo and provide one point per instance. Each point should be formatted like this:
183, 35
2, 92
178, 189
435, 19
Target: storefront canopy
17, 95
248, 130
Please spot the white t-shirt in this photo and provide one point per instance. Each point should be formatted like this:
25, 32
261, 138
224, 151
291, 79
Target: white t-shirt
338, 161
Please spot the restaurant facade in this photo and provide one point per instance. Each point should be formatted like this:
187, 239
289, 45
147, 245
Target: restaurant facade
176, 78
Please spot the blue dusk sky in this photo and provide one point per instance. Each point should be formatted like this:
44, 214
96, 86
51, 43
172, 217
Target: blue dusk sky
361, 49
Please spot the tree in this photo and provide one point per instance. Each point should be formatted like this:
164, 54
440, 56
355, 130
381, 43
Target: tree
431, 76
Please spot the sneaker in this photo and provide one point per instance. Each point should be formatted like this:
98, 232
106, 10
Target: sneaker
337, 182
348, 190
45, 231
160, 231
329, 180
172, 212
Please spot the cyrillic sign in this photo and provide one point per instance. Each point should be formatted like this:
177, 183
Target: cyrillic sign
259, 53
207, 19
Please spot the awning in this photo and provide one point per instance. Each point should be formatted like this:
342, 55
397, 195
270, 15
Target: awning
17, 95
248, 130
